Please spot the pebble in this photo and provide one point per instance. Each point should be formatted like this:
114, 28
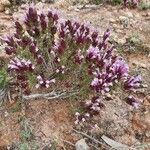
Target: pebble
6, 114
81, 145
5, 2
119, 40
129, 14
115, 25
148, 14
23, 6
112, 20
124, 21
122, 18
7, 12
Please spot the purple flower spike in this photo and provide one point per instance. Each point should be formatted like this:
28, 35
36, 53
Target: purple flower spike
133, 102
19, 28
125, 2
39, 59
9, 50
106, 35
92, 53
133, 83
10, 41
20, 65
31, 18
61, 69
53, 16
33, 14
135, 2
93, 106
43, 22
120, 69
42, 82
33, 49
79, 57
50, 14
60, 46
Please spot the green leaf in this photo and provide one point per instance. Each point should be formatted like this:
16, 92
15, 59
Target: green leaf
3, 78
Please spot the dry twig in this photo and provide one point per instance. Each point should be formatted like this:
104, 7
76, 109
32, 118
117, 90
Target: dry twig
91, 138
51, 95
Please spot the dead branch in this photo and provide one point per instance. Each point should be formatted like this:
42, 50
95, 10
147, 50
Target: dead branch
51, 95
68, 142
91, 138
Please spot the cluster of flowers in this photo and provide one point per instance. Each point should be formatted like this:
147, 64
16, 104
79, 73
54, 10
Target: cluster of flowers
11, 48
20, 67
42, 82
53, 45
107, 70
25, 44
92, 108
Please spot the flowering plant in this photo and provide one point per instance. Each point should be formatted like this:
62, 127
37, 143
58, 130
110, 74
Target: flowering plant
48, 52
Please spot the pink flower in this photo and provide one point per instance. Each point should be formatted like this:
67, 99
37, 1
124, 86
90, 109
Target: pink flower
133, 83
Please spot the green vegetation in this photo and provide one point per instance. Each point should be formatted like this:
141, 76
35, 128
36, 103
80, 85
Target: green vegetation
144, 6
3, 78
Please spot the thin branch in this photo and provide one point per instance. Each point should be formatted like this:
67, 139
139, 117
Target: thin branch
68, 142
93, 146
51, 95
91, 138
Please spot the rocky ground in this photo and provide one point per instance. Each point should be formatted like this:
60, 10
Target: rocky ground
48, 125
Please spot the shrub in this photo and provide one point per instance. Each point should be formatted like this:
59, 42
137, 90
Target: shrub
144, 6
3, 78
3, 84
97, 2
126, 3
50, 53
116, 2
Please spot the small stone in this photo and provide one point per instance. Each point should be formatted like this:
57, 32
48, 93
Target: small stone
77, 10
122, 18
145, 86
120, 41
148, 14
137, 15
124, 21
147, 134
7, 12
5, 2
6, 114
129, 14
39, 5
71, 8
81, 145
119, 31
112, 20
115, 25
148, 97
62, 4
23, 6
